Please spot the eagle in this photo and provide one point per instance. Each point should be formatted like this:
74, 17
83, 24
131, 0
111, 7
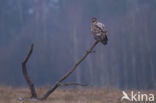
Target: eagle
98, 30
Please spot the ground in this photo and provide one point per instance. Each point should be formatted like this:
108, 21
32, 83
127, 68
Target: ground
64, 95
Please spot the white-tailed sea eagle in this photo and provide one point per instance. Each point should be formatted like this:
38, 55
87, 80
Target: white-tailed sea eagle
99, 31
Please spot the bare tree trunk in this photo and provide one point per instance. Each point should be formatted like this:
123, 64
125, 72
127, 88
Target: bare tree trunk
57, 84
26, 76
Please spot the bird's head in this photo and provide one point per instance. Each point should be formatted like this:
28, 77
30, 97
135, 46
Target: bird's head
93, 19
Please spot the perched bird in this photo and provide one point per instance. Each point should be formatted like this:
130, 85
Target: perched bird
99, 31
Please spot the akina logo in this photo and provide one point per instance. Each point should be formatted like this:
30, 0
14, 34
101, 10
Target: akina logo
138, 97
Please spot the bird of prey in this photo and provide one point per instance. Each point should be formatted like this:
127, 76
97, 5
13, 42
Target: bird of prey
99, 31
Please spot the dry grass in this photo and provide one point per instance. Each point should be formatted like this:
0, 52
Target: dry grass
89, 95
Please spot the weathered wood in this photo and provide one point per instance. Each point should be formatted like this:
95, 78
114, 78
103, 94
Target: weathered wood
57, 84
26, 76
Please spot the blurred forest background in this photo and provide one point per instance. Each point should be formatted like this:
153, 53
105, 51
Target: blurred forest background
60, 31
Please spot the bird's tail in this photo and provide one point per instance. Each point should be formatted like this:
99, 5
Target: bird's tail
105, 40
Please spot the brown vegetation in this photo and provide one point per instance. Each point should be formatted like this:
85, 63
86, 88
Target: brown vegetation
13, 95
62, 95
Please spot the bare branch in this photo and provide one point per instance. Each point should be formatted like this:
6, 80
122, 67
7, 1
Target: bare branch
26, 76
57, 84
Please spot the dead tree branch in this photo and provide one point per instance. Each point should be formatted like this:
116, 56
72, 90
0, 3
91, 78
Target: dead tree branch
57, 84
26, 76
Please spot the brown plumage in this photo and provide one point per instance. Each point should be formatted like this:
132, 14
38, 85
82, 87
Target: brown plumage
99, 31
